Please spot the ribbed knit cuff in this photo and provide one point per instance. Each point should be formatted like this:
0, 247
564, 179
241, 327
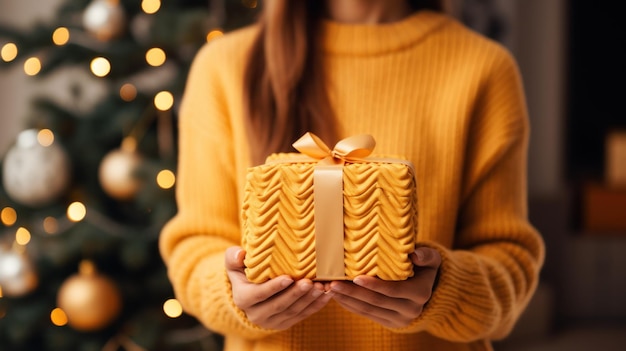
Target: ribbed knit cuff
218, 306
460, 306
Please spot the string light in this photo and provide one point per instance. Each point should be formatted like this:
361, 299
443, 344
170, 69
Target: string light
61, 36
100, 67
32, 66
155, 57
164, 101
8, 216
173, 308
128, 92
22, 236
45, 137
166, 179
216, 33
9, 52
76, 212
150, 6
58, 317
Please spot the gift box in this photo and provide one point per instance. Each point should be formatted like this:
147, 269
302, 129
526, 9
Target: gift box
330, 214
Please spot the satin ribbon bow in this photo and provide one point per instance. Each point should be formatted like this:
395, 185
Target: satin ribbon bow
353, 148
328, 197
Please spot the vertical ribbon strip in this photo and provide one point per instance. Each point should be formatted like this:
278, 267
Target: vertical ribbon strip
328, 202
328, 197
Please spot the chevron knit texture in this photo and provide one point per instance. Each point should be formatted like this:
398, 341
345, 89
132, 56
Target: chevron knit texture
380, 220
426, 88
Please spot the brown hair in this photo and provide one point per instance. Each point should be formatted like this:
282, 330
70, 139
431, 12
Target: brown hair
284, 88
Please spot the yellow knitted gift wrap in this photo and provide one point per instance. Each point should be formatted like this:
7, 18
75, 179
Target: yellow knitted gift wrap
379, 218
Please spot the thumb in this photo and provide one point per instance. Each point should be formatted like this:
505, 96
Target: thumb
234, 257
426, 257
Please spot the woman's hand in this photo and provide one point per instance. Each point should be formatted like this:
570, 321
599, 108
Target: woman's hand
278, 303
394, 304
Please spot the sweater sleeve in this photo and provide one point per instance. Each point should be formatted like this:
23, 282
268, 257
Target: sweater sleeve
488, 277
193, 243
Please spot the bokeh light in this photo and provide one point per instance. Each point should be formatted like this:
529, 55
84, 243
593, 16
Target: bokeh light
128, 92
164, 101
76, 212
61, 36
9, 52
172, 308
58, 317
8, 215
50, 225
216, 33
45, 137
155, 57
22, 236
166, 179
150, 6
32, 66
100, 67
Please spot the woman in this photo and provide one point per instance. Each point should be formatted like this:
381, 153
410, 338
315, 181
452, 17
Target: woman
427, 88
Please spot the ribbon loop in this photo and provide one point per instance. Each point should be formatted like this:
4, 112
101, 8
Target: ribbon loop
357, 146
311, 145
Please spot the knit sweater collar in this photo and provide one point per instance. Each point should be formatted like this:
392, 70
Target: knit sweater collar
364, 39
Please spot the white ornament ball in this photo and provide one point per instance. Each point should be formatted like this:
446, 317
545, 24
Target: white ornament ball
17, 274
105, 19
33, 174
117, 174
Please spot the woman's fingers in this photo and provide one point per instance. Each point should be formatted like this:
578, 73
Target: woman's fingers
233, 258
277, 303
393, 304
385, 317
290, 306
426, 257
427, 262
388, 299
245, 293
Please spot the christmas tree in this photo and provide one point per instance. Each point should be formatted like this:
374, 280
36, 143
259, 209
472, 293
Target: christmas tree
87, 186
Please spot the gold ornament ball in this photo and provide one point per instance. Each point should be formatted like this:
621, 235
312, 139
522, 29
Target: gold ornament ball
105, 19
117, 174
91, 301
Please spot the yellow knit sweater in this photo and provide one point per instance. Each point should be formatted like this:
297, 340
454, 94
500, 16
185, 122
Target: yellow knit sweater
425, 87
